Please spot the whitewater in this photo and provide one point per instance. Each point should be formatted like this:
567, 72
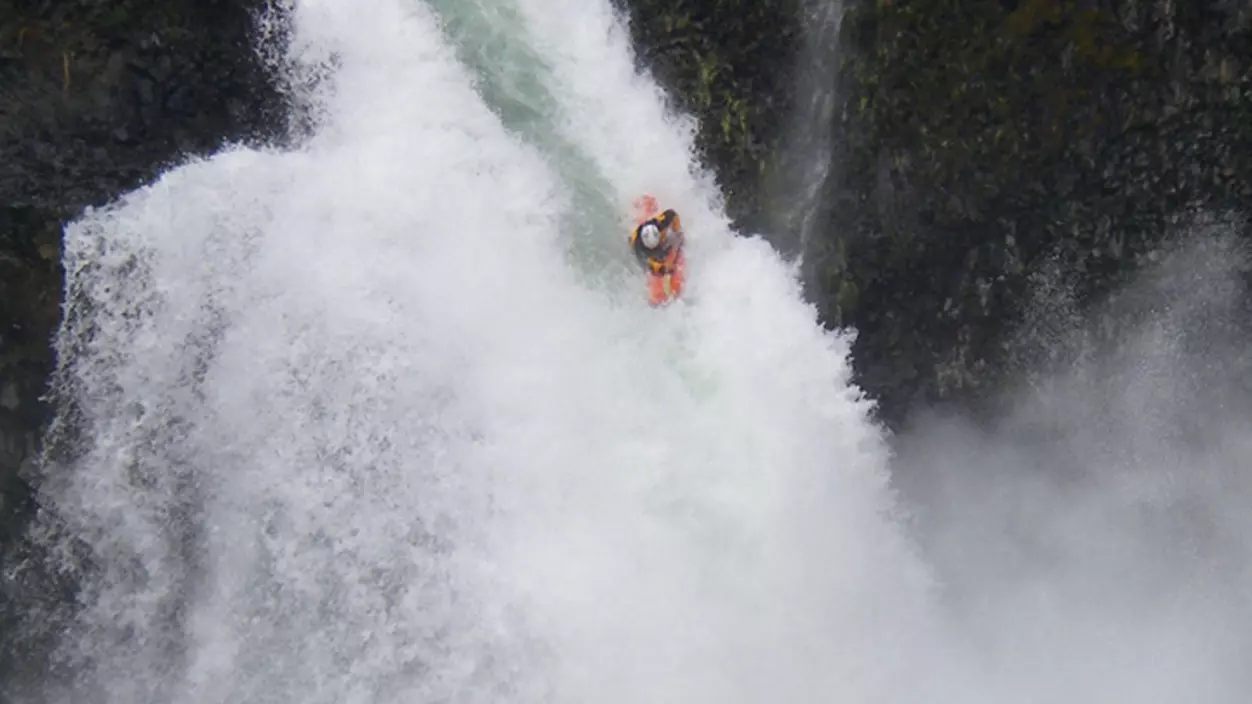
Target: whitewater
385, 417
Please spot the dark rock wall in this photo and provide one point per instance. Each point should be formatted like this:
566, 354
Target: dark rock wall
727, 62
986, 143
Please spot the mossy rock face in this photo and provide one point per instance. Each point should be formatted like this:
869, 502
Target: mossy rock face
728, 64
983, 143
95, 99
94, 96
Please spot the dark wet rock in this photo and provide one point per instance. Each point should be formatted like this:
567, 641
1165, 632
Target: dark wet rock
728, 63
985, 147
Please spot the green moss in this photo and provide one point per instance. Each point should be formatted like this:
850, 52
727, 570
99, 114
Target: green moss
981, 140
722, 61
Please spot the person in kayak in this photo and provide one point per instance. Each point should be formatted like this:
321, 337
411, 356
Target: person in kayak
657, 242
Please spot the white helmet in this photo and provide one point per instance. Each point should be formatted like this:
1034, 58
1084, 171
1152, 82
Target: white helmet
651, 235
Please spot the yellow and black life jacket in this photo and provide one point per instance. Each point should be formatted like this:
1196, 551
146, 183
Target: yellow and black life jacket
658, 259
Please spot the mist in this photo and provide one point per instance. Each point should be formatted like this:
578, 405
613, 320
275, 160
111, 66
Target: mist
1091, 544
